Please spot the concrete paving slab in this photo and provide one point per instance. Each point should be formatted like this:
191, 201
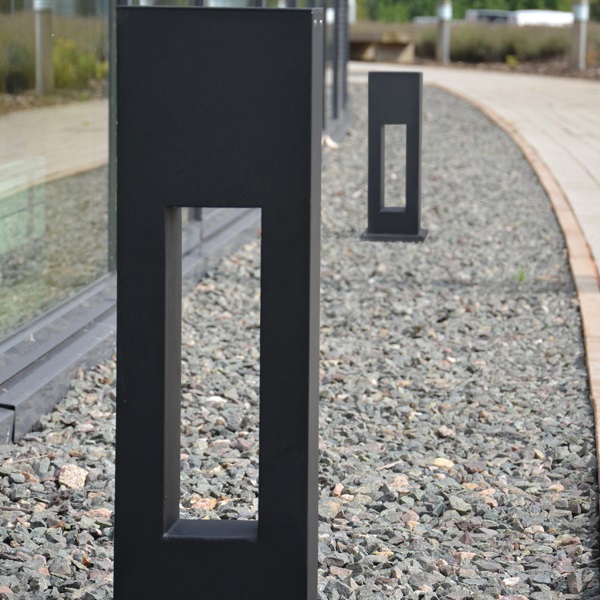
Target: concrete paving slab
68, 138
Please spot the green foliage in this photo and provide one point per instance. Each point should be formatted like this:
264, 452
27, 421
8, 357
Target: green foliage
593, 50
484, 42
74, 66
595, 10
425, 42
406, 10
521, 275
474, 43
481, 42
16, 50
16, 55
80, 49
392, 12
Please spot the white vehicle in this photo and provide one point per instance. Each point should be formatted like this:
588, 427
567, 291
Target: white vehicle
552, 18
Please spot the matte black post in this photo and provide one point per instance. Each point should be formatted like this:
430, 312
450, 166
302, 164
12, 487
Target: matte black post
234, 120
395, 99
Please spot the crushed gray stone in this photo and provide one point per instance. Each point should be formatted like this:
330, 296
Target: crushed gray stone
457, 455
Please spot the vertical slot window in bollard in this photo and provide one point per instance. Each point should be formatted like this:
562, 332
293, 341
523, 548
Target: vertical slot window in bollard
220, 379
394, 99
394, 158
234, 121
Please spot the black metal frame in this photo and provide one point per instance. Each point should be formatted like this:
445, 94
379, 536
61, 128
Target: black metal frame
227, 127
341, 46
395, 99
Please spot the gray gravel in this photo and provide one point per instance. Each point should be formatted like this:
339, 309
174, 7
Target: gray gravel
72, 252
457, 449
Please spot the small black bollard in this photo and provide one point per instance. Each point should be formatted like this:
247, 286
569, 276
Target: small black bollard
217, 108
395, 99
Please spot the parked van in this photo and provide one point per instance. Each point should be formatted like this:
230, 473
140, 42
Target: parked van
552, 18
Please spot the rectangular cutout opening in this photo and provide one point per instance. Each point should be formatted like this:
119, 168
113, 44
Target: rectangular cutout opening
220, 382
394, 186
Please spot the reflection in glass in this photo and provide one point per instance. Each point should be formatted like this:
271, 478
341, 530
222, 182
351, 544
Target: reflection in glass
53, 156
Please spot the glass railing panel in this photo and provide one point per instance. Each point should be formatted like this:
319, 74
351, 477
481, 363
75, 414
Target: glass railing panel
53, 156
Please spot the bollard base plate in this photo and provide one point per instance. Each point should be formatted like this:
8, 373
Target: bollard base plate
367, 236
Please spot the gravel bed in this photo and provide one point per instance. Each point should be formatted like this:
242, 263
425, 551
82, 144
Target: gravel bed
457, 449
72, 252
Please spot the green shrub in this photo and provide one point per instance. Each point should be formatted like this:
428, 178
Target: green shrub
73, 66
541, 43
16, 48
594, 44
377, 10
16, 68
474, 43
80, 49
425, 41
481, 42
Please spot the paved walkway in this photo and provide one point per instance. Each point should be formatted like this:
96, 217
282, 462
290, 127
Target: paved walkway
44, 144
556, 123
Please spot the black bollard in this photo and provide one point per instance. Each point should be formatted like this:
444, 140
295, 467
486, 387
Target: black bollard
217, 108
395, 99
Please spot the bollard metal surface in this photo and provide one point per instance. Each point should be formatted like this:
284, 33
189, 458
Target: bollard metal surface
44, 68
395, 99
581, 14
442, 44
217, 108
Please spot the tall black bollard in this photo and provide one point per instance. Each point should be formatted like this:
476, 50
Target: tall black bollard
395, 99
219, 108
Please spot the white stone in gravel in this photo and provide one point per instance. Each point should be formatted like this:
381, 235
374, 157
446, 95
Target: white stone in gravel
72, 476
511, 581
445, 432
216, 399
444, 463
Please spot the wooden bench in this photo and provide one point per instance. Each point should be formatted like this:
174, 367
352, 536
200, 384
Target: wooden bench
380, 42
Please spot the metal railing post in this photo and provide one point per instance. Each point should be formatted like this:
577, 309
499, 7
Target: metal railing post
442, 47
581, 12
395, 99
44, 68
